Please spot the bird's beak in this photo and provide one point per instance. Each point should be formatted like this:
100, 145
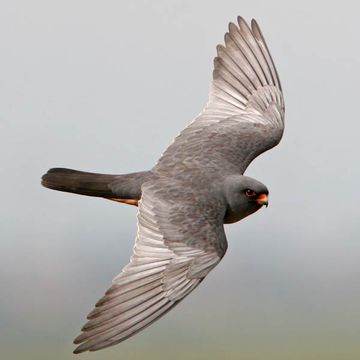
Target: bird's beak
262, 200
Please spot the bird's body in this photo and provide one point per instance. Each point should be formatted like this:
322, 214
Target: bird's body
196, 186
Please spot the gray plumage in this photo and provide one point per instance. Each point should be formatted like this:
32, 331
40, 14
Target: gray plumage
196, 186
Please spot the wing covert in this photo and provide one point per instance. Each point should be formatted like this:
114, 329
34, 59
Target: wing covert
168, 262
244, 115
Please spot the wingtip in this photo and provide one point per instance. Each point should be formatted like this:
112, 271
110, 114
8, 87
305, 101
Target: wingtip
240, 20
255, 28
218, 48
227, 38
80, 348
79, 339
232, 27
77, 351
93, 313
217, 64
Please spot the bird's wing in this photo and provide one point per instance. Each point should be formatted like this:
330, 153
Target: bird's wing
244, 115
178, 242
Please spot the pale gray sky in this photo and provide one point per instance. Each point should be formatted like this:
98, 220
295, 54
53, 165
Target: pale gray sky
105, 86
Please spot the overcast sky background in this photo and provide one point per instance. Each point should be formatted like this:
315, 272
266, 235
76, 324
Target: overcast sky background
104, 87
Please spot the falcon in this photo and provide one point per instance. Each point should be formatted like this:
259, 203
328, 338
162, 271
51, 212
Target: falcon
195, 188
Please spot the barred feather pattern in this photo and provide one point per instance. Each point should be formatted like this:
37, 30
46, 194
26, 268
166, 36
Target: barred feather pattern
244, 116
180, 221
244, 76
161, 272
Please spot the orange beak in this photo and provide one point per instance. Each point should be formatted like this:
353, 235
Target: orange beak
262, 199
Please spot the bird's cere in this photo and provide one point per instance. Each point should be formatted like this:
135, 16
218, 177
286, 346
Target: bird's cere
196, 187
263, 200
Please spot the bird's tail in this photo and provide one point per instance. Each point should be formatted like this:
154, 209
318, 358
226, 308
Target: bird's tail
78, 182
113, 187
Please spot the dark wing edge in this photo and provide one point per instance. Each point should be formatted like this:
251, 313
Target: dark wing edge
161, 272
244, 74
246, 86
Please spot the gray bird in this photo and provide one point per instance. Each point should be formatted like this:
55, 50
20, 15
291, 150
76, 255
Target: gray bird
195, 188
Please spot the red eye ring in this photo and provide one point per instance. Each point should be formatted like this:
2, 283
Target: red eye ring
250, 193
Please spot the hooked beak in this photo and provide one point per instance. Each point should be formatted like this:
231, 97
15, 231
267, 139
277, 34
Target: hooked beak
262, 200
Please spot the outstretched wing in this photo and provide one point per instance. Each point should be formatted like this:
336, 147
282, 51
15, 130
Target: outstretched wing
178, 243
245, 113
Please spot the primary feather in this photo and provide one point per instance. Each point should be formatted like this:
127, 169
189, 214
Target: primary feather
185, 199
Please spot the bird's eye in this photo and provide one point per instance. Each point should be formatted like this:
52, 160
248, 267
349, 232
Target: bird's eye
250, 193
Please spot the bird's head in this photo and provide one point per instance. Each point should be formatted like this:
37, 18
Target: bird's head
244, 196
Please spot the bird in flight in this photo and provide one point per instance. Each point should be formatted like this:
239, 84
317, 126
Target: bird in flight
195, 188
